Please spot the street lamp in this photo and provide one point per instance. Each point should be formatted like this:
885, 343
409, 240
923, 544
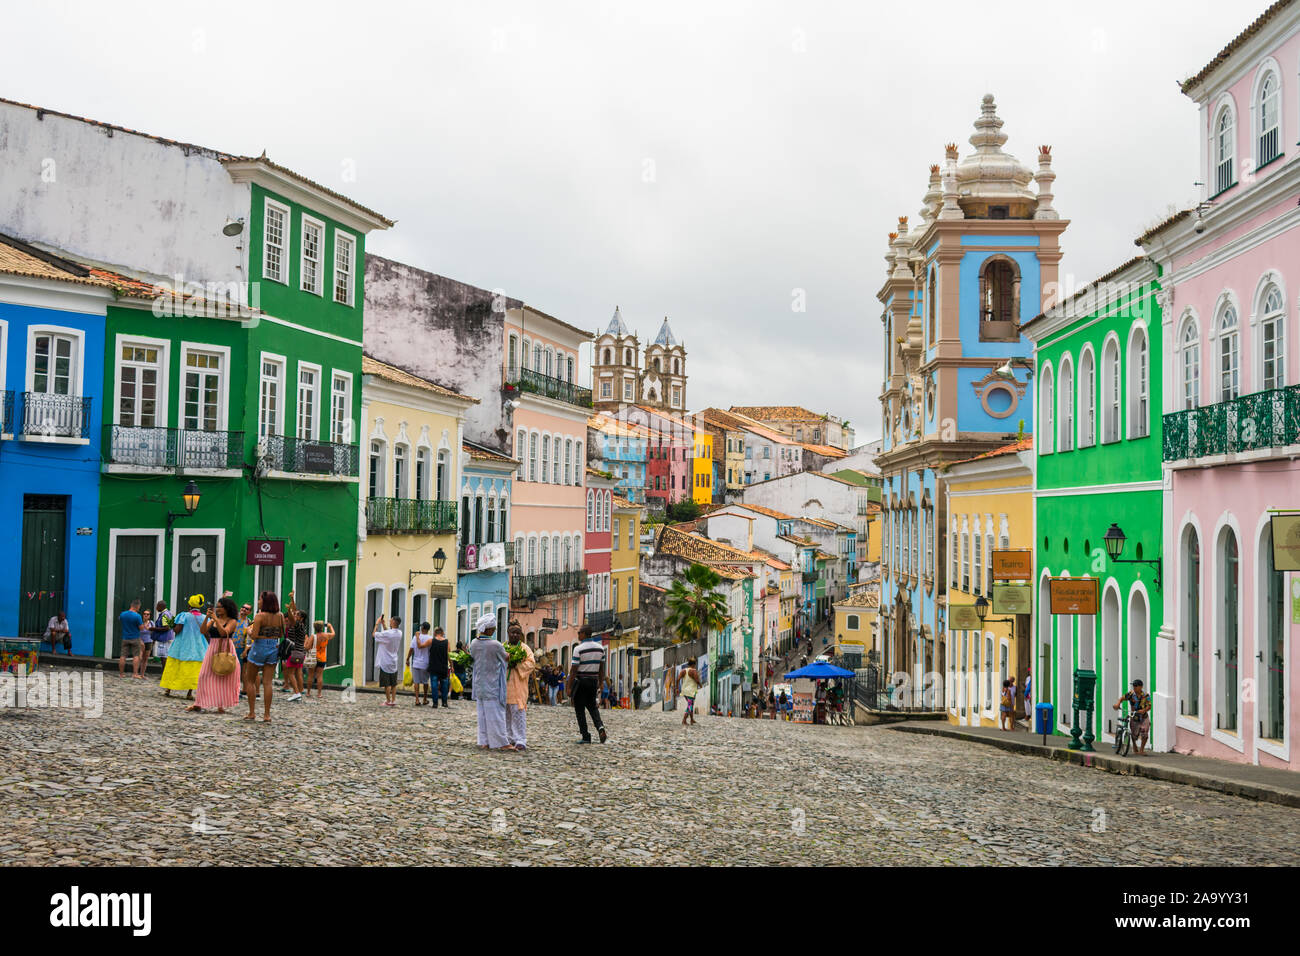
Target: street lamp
439, 561
1114, 539
191, 498
532, 603
982, 611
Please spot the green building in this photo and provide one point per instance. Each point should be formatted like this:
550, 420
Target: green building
252, 395
1098, 452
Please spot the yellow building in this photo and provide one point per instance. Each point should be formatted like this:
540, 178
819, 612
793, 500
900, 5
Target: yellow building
990, 507
873, 532
702, 484
791, 583
625, 586
406, 538
855, 623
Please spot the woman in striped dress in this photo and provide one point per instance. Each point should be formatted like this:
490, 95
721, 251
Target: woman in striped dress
218, 691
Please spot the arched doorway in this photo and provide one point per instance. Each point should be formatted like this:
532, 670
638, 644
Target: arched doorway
1108, 690
1139, 627
1228, 633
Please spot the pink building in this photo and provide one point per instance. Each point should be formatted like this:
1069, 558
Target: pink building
548, 510
596, 559
1231, 277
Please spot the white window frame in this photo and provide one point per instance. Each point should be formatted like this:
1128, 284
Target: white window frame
1218, 159
224, 399
1065, 409
1231, 336
281, 362
347, 237
1268, 69
1189, 387
286, 239
314, 432
303, 259
76, 365
342, 635
346, 437
1112, 398
1046, 416
1138, 371
164, 366
400, 488
1262, 319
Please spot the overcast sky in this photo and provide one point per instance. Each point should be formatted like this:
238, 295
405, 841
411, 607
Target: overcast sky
701, 160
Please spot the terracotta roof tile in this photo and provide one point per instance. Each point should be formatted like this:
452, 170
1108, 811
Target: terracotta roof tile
1025, 444
863, 597
826, 451
391, 373
1155, 230
778, 413
479, 453
760, 509
1226, 53
694, 547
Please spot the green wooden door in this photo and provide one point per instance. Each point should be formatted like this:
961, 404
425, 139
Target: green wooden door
196, 568
335, 582
135, 575
43, 562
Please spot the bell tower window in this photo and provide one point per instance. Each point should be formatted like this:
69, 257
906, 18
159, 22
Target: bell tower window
999, 300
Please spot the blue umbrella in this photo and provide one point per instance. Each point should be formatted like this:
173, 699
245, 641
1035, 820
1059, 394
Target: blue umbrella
819, 671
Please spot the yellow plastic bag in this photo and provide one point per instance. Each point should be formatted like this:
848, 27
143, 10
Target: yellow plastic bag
407, 679
456, 684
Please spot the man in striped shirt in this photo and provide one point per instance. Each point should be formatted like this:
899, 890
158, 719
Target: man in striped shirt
586, 675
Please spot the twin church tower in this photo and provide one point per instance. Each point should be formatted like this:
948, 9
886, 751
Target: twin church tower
621, 375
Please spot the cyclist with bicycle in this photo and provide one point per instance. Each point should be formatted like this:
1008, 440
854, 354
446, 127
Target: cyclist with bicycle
1139, 724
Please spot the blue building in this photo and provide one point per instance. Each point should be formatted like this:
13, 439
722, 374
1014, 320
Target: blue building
983, 259
619, 449
485, 555
52, 314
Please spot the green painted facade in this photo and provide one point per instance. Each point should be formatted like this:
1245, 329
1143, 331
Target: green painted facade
278, 458
1081, 491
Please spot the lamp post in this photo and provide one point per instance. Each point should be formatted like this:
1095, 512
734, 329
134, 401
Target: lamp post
190, 496
1114, 539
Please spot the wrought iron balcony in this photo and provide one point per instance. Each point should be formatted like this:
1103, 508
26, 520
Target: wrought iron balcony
809, 577
307, 457
410, 516
544, 586
1260, 420
471, 556
172, 448
726, 660
528, 380
629, 619
55, 416
600, 621
7, 412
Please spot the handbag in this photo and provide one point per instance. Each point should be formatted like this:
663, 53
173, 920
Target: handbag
456, 685
284, 648
224, 662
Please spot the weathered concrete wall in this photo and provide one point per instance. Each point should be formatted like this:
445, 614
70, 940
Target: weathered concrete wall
449, 332
118, 198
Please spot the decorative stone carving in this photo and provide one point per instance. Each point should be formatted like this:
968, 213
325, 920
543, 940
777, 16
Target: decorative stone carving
1044, 179
993, 382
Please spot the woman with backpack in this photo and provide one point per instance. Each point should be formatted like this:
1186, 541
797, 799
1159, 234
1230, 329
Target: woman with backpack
266, 631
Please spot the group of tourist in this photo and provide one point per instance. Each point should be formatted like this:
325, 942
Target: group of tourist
218, 653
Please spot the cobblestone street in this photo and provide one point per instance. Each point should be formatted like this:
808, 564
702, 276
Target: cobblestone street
336, 782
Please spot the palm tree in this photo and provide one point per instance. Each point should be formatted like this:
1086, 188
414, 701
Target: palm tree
694, 608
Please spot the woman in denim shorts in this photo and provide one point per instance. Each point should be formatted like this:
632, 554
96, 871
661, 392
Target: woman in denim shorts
266, 630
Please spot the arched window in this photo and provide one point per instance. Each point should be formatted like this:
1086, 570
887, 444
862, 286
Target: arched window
568, 544
546, 458
977, 573
569, 369
550, 362
1189, 362
677, 367
538, 365
1139, 376
1110, 389
1066, 406
523, 355
627, 356
543, 567
999, 300
1189, 649
1273, 631
401, 465
520, 570
577, 463
658, 366
1226, 654
591, 506
608, 504
532, 555
1046, 418
1269, 116
607, 357
555, 553
442, 489
514, 355
555, 473
1224, 151
1087, 399
568, 461
1229, 358
532, 457
1272, 340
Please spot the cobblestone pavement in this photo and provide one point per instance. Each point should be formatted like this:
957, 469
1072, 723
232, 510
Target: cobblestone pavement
337, 782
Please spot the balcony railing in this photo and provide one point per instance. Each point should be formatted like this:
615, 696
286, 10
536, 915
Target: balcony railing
410, 515
55, 416
172, 447
629, 619
7, 412
542, 586
809, 577
471, 556
528, 380
600, 621
726, 660
306, 457
1260, 420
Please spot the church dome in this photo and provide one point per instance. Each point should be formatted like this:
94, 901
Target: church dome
989, 177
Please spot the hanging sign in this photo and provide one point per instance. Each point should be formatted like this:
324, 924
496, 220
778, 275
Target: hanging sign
316, 459
1073, 595
962, 617
1013, 565
1286, 542
1012, 599
264, 553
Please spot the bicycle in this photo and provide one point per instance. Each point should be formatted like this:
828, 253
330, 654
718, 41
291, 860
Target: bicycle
1123, 737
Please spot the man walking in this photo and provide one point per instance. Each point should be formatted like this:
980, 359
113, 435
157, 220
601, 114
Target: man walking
489, 683
517, 692
439, 668
388, 650
131, 622
586, 675
417, 658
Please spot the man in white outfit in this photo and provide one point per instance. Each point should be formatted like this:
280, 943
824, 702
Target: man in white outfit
489, 683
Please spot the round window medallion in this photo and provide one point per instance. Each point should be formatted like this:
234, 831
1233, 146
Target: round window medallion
1000, 401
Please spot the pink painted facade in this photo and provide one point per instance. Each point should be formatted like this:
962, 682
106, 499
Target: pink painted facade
1232, 412
548, 513
599, 514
